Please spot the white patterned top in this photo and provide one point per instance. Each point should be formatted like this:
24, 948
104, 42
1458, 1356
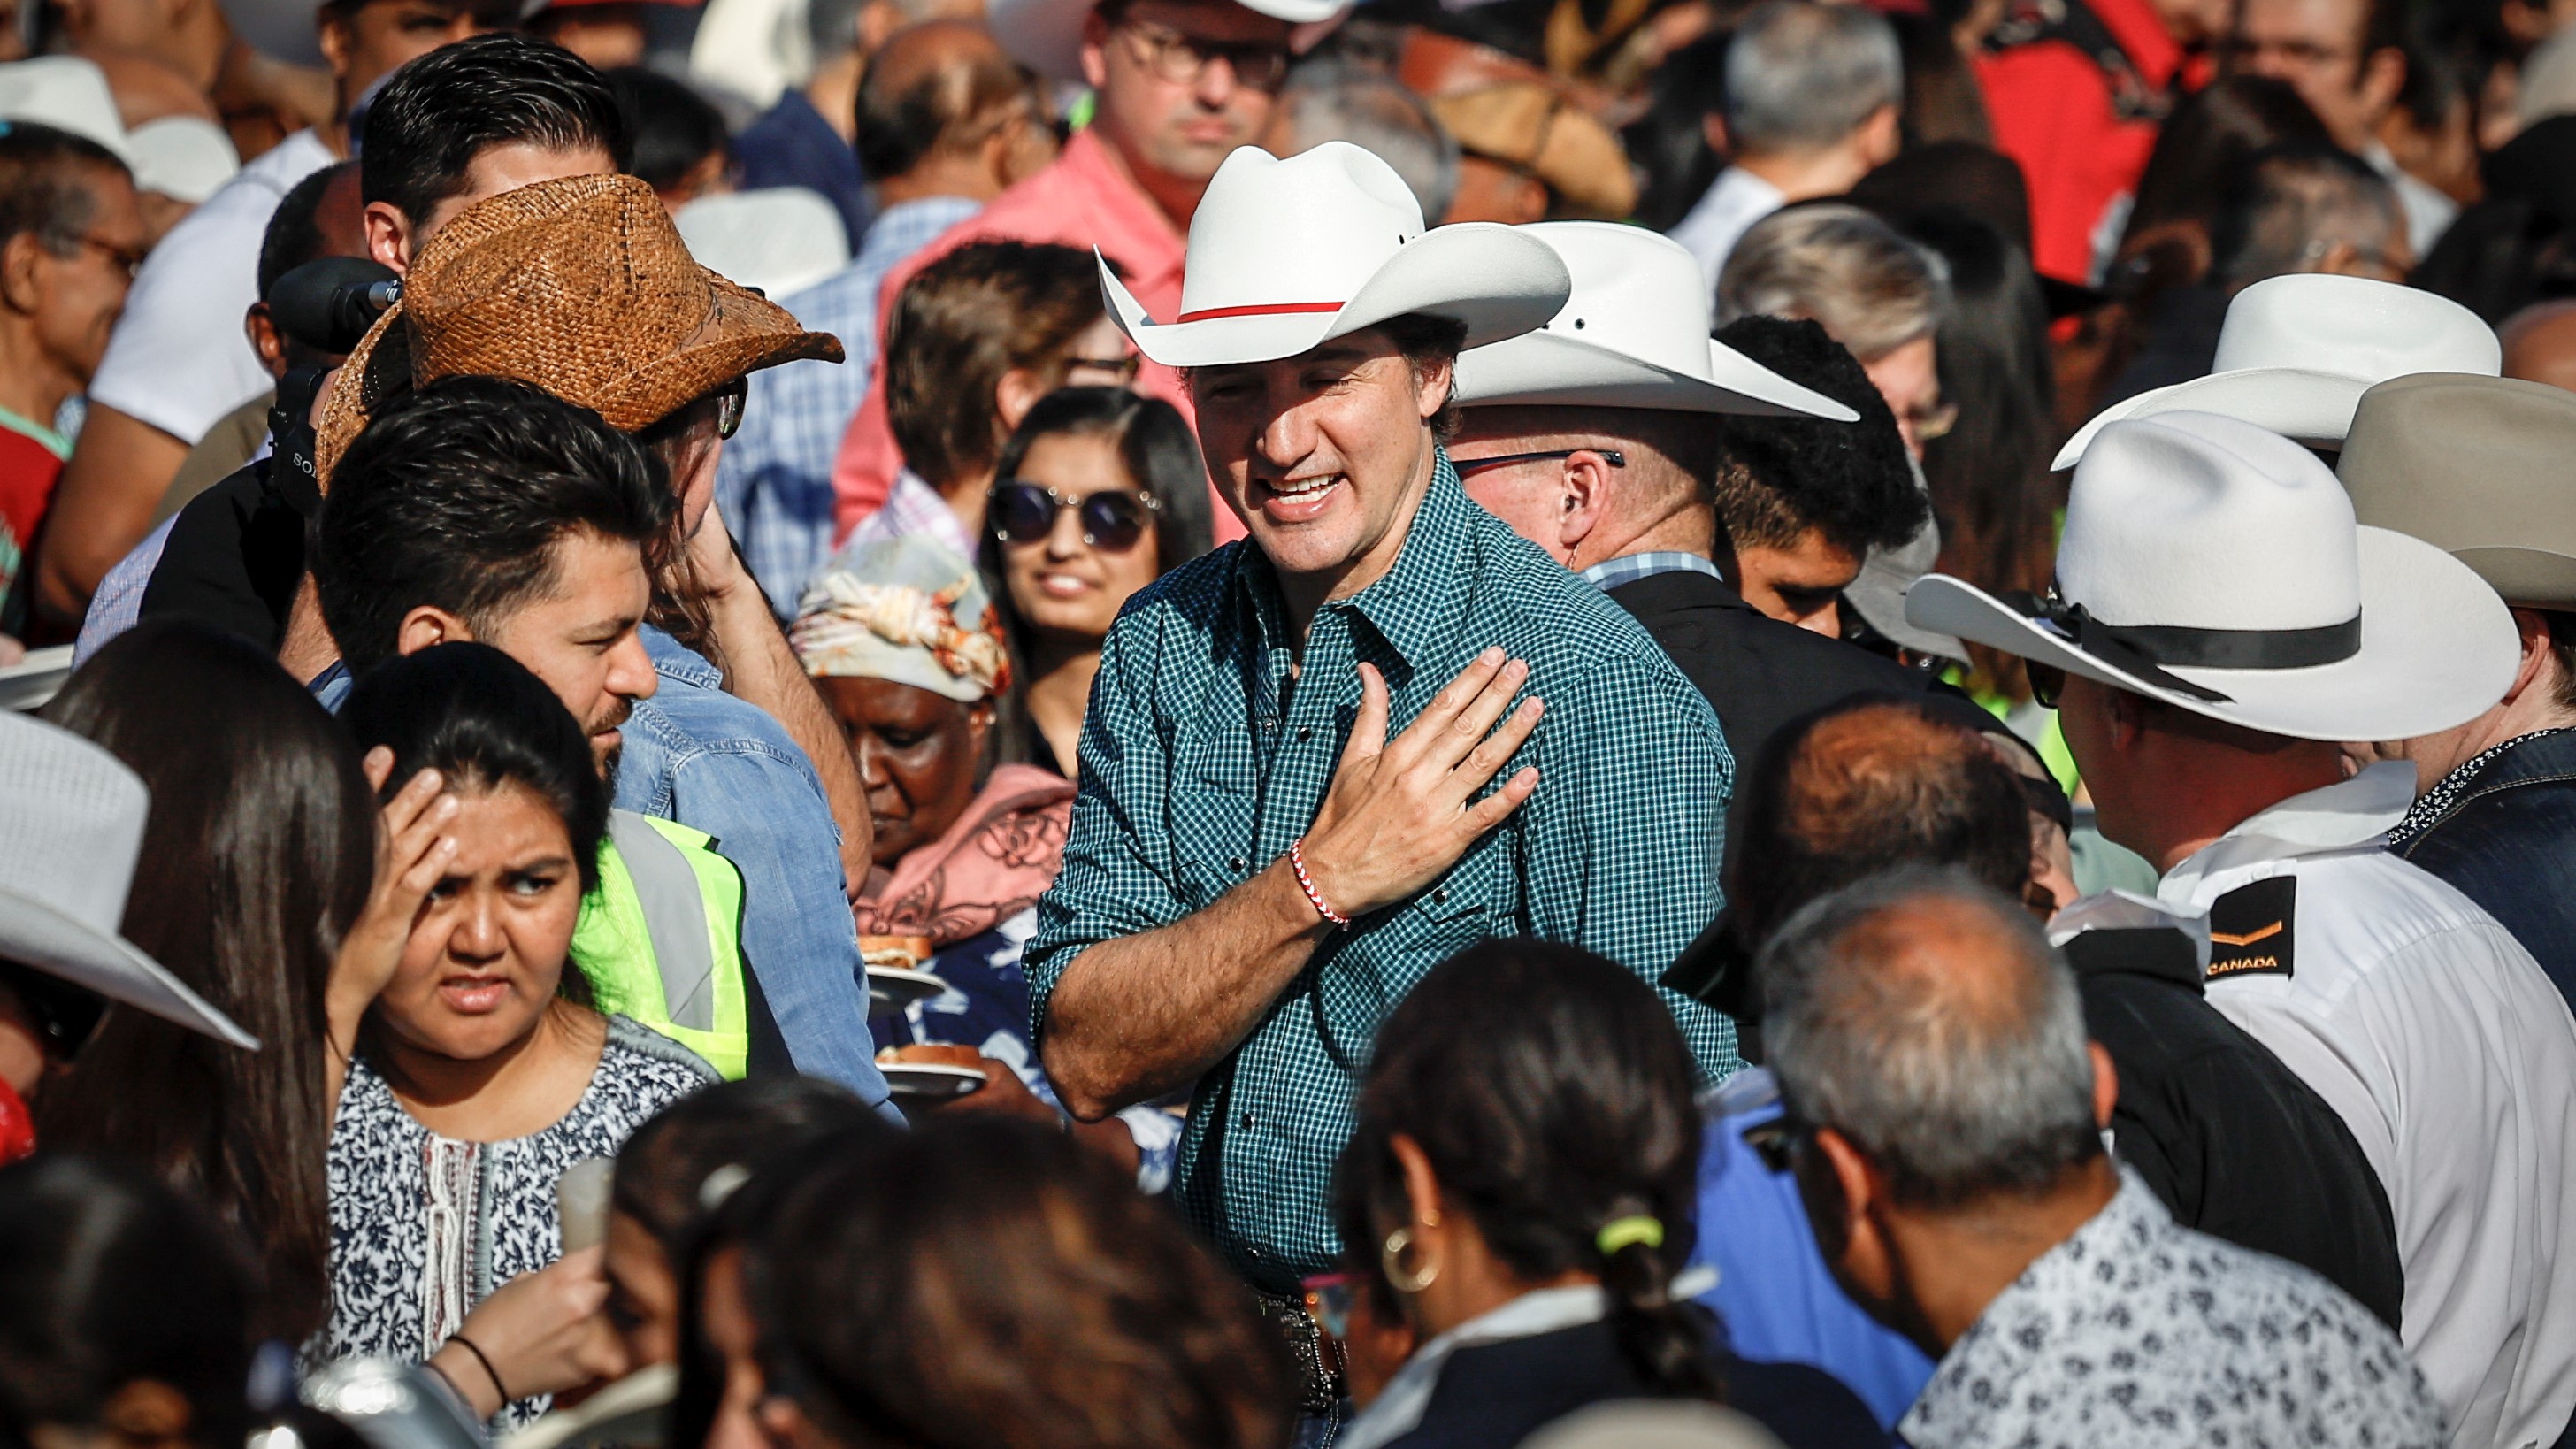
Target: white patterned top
424, 1227
2138, 1333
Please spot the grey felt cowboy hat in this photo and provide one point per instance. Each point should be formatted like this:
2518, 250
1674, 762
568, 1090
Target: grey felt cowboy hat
2477, 467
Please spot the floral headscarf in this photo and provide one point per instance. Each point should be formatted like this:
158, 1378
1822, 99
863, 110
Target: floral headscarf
908, 610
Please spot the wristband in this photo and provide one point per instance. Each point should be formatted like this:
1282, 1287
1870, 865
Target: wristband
1306, 883
489, 1372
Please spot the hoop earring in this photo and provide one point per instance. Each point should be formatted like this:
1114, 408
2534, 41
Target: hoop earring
1390, 1259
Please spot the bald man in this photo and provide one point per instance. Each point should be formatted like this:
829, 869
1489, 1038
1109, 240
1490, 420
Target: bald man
947, 122
2540, 344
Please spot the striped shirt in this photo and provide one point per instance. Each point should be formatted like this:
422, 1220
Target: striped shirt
1200, 765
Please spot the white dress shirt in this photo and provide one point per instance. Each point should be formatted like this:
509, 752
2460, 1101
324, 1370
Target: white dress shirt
1732, 203
2453, 1059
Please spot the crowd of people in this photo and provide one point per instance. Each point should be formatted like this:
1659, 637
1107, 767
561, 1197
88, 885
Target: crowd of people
1123, 724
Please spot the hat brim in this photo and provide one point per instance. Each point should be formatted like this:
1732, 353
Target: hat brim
2534, 578
1549, 369
1498, 281
37, 935
744, 332
1046, 35
2437, 650
1878, 592
2300, 404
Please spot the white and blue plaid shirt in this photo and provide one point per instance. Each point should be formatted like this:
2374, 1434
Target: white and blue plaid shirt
774, 481
1610, 573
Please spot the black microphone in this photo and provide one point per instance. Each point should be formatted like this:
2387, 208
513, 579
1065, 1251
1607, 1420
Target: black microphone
329, 303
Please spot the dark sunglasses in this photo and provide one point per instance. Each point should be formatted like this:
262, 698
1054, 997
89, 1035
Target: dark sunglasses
2047, 683
730, 401
1465, 466
65, 1016
1113, 519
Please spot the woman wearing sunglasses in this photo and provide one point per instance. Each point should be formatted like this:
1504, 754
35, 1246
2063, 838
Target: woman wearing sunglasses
1099, 492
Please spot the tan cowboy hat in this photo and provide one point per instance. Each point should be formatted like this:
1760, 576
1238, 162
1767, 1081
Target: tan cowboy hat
581, 287
2476, 467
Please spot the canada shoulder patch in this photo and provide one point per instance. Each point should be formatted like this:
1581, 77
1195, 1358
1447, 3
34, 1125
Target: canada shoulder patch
2252, 929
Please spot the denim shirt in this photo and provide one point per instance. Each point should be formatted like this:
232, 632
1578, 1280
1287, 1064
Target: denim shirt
1200, 764
712, 762
2502, 828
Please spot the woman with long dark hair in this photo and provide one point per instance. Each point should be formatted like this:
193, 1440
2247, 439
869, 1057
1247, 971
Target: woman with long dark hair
1520, 1188
1099, 492
256, 863
481, 1075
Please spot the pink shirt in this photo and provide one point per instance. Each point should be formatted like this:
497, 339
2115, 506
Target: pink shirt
1085, 199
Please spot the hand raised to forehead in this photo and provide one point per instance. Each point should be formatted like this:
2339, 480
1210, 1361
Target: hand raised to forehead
1401, 812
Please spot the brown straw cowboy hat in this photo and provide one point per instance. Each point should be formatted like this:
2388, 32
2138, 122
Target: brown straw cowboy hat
581, 287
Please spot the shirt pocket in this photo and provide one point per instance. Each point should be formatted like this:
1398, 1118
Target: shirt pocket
1464, 905
1211, 830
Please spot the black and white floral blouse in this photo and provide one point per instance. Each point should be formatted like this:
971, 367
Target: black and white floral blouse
2138, 1332
424, 1227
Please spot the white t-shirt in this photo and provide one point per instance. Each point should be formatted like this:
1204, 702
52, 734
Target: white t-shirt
2438, 1040
1724, 213
178, 359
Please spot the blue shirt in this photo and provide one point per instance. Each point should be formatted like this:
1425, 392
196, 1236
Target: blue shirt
774, 478
712, 762
793, 145
1200, 766
1774, 1293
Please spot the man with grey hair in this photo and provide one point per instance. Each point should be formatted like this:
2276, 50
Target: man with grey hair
1331, 98
1812, 93
1944, 1116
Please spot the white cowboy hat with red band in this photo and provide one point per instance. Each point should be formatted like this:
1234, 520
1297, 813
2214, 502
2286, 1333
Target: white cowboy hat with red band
1287, 255
2216, 566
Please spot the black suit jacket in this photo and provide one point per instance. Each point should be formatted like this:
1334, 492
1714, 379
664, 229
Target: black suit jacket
1759, 674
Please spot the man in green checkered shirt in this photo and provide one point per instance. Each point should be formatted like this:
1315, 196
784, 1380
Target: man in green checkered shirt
1315, 764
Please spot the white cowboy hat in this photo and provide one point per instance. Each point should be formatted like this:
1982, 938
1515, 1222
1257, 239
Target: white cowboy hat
2216, 566
2296, 353
1046, 35
71, 824
187, 157
1286, 255
777, 240
1633, 335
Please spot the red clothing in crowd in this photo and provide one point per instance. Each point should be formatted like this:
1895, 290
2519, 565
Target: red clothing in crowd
31, 461
1085, 199
2080, 129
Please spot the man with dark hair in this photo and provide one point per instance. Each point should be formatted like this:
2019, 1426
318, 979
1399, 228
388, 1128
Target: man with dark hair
71, 234
2347, 59
2232, 1142
1804, 501
174, 367
1285, 819
1943, 1119
475, 509
949, 123
480, 117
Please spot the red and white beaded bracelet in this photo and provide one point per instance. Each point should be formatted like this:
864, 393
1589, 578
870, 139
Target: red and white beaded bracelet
1306, 883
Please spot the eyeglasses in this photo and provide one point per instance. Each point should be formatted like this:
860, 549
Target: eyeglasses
128, 260
1113, 519
2047, 682
730, 400
1776, 1141
1261, 65
1465, 466
65, 1016
1101, 371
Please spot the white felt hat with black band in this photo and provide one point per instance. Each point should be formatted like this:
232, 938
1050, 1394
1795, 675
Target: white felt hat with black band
2216, 566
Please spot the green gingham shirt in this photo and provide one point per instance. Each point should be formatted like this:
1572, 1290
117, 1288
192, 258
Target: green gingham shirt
1200, 764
